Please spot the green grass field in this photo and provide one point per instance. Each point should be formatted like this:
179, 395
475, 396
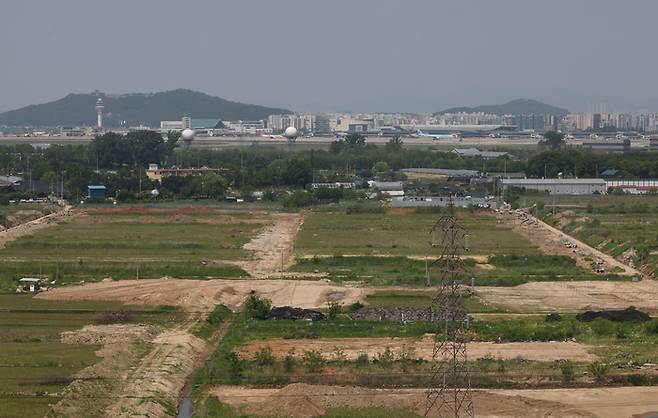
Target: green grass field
182, 242
501, 270
34, 363
407, 233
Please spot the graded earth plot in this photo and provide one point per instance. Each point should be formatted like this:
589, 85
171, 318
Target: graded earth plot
624, 226
43, 350
195, 242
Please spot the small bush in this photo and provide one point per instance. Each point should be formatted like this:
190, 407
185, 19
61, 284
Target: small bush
638, 379
236, 366
362, 360
218, 315
335, 308
385, 358
313, 361
599, 371
120, 317
651, 328
567, 370
355, 306
257, 308
289, 362
264, 357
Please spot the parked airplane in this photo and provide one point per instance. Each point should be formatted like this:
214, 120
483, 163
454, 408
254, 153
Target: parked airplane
422, 134
269, 136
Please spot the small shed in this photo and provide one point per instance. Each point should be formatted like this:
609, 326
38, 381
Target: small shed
96, 191
29, 284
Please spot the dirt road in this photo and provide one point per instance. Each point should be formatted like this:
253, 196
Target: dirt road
573, 296
31, 227
351, 348
552, 241
197, 295
305, 401
273, 247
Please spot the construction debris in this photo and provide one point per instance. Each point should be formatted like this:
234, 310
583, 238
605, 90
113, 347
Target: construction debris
625, 315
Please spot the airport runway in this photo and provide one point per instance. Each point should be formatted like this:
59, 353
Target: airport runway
236, 141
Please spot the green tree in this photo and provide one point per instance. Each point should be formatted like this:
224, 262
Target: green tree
355, 140
381, 169
394, 144
554, 140
257, 307
334, 309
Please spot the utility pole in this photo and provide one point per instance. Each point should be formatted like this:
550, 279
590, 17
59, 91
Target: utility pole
449, 391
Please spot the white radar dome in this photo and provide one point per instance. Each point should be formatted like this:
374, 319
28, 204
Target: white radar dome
291, 132
187, 135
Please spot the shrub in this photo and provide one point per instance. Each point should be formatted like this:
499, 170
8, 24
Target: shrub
264, 357
334, 309
602, 327
567, 370
120, 317
289, 362
385, 358
638, 379
651, 328
258, 308
338, 355
598, 370
236, 366
218, 315
355, 306
313, 361
362, 360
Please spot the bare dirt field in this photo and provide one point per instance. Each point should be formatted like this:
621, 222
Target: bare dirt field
204, 295
552, 241
422, 348
304, 401
273, 246
573, 296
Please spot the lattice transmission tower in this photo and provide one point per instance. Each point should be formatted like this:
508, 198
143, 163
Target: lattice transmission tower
449, 390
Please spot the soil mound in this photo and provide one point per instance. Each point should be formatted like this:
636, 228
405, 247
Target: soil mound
626, 315
109, 334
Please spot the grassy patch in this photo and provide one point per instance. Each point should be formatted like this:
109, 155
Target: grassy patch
509, 270
216, 318
183, 242
32, 358
330, 233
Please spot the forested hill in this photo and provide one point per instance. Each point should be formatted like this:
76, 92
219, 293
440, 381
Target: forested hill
514, 107
136, 108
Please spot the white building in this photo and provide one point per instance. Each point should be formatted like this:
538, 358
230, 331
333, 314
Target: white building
559, 186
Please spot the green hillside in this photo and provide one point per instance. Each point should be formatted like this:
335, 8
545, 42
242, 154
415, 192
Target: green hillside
136, 108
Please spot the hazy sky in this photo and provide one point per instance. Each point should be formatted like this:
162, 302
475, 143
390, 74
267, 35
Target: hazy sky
384, 55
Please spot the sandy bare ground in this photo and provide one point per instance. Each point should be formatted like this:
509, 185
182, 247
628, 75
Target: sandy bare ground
161, 374
551, 241
31, 227
273, 246
197, 295
305, 401
602, 402
420, 348
574, 296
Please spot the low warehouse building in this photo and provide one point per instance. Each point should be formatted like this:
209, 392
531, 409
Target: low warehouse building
96, 192
558, 186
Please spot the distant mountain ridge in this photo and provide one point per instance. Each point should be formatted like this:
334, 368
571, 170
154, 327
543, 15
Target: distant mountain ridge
134, 108
513, 107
